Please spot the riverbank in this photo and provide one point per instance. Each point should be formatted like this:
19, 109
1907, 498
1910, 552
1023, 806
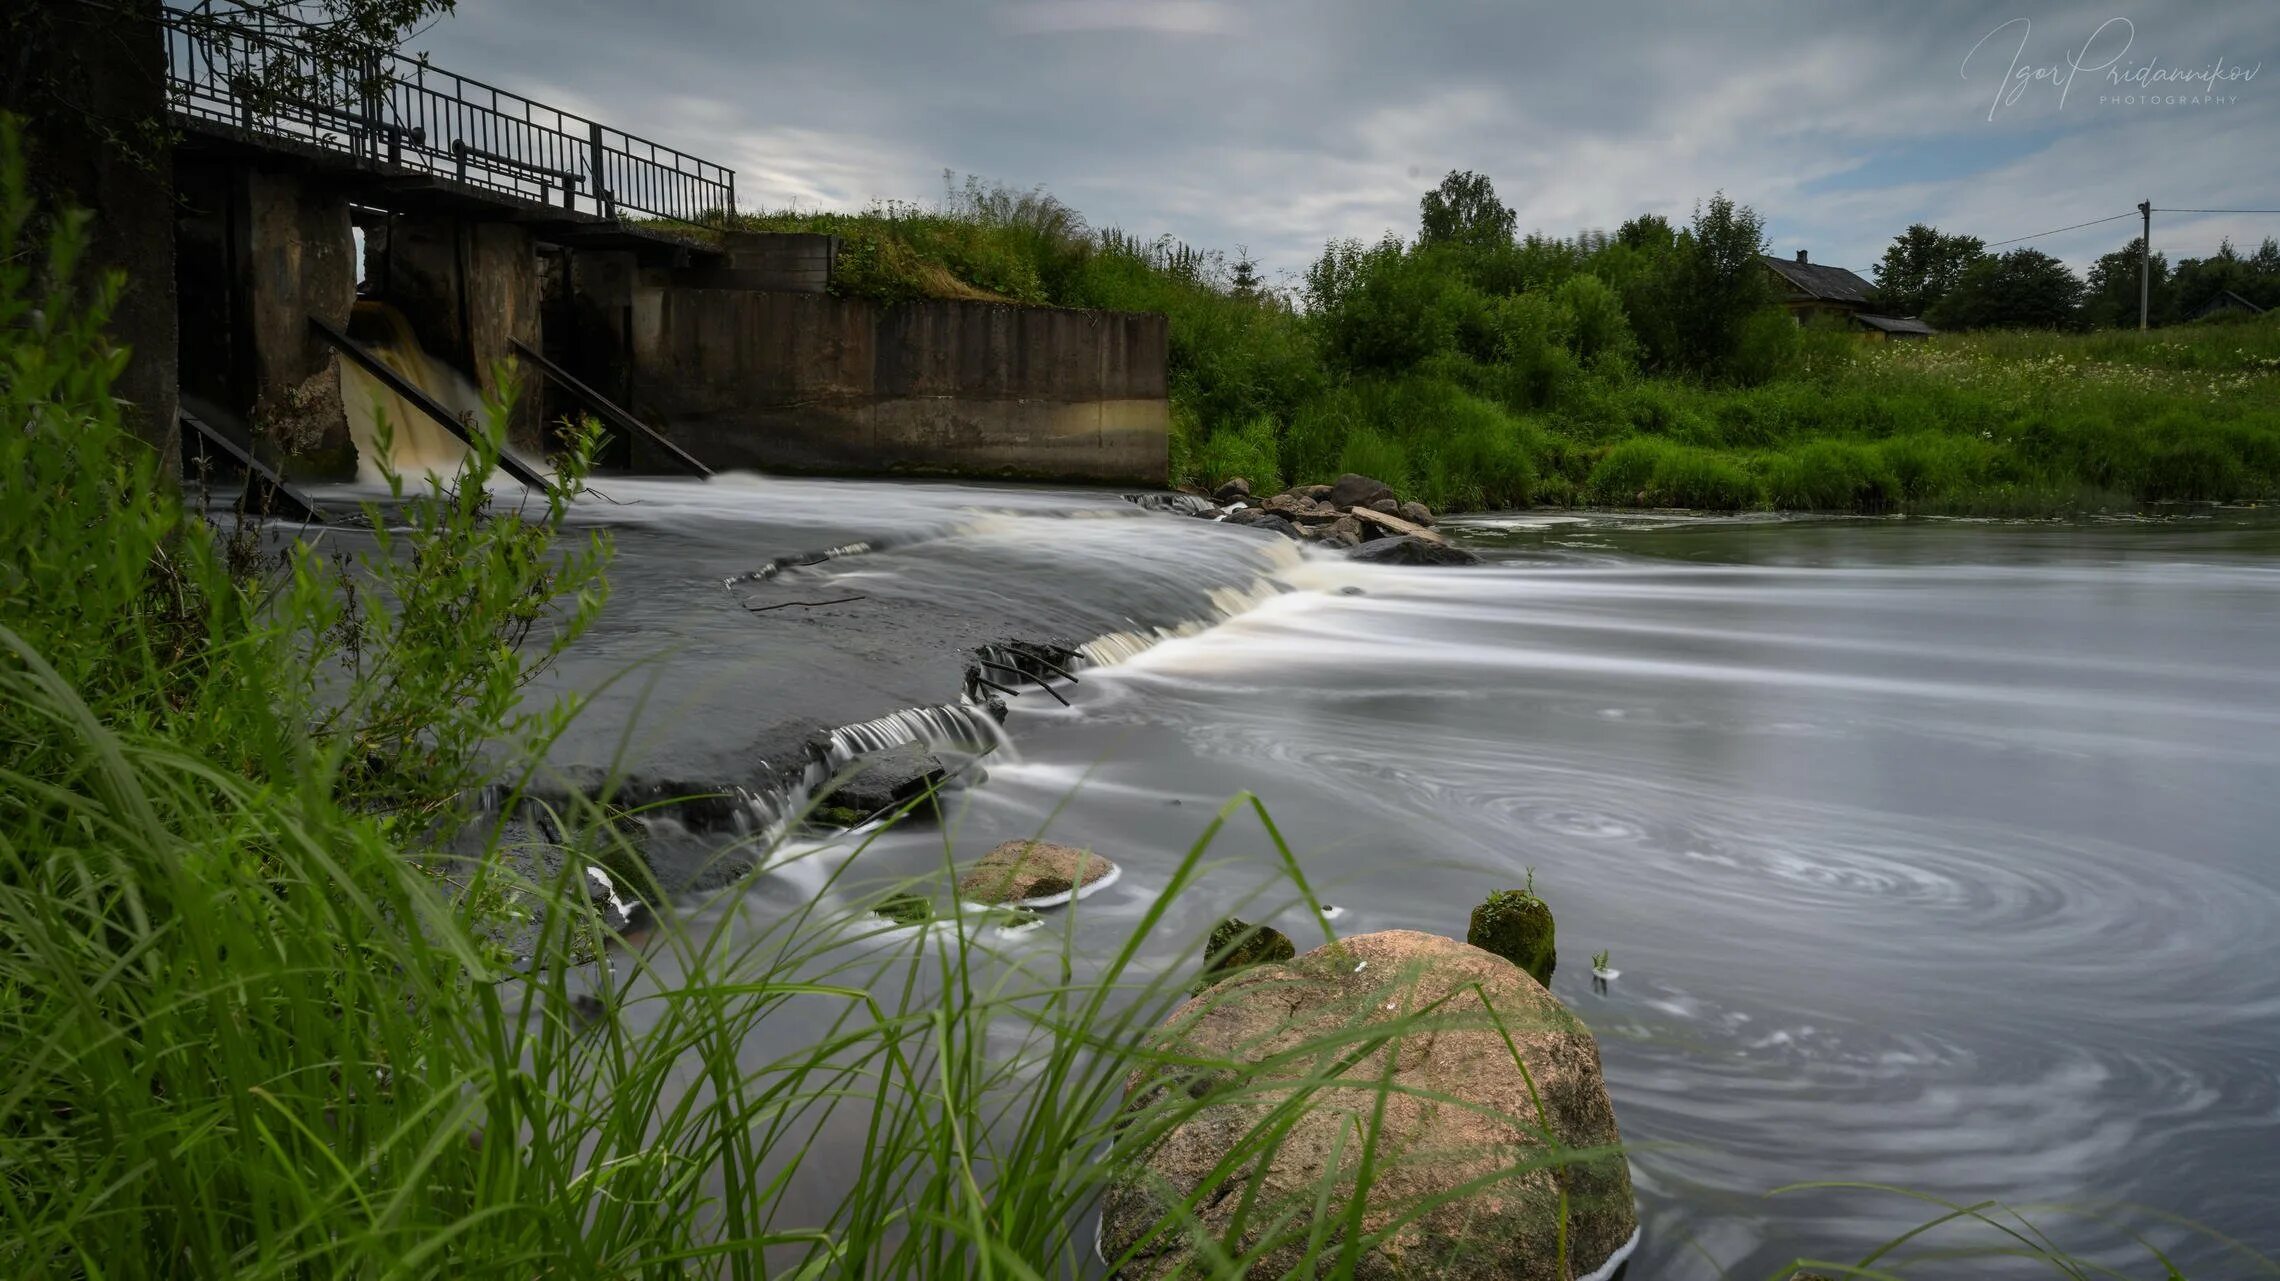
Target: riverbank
1535, 376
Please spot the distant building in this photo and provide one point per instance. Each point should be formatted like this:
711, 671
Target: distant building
2226, 303
1835, 295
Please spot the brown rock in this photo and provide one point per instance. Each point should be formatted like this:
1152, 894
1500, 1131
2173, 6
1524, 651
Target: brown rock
1461, 1111
1416, 513
1238, 488
1283, 503
1396, 525
1386, 505
1355, 490
1023, 872
1315, 492
1347, 528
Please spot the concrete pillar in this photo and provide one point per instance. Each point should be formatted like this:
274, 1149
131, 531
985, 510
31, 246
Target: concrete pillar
90, 83
299, 263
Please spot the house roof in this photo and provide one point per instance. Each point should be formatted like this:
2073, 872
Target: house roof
1829, 284
2227, 300
1894, 324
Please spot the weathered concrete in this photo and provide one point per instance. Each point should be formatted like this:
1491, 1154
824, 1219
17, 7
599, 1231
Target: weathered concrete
783, 262
809, 382
90, 83
467, 288
299, 262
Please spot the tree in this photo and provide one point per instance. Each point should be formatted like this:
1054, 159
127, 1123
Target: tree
1381, 308
2111, 298
2255, 277
1464, 211
1243, 277
1920, 266
1691, 309
1650, 233
2023, 289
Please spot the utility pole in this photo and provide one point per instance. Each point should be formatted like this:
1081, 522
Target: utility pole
2145, 262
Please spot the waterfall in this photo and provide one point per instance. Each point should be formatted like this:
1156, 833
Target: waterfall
419, 446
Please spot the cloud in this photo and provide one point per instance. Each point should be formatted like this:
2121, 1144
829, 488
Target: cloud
1279, 124
1162, 17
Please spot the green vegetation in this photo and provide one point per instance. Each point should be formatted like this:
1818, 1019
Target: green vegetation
1472, 370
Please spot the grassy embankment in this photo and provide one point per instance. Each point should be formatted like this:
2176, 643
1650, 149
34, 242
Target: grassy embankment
256, 1025
1526, 384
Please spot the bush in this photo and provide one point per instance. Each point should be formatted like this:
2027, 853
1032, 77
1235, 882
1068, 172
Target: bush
1648, 472
1827, 475
1248, 451
1596, 329
1370, 452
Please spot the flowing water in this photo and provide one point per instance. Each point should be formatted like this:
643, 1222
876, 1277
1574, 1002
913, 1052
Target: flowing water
1937, 854
385, 426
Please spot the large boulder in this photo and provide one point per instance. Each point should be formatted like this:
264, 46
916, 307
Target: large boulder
1353, 490
1033, 874
1460, 1111
1411, 550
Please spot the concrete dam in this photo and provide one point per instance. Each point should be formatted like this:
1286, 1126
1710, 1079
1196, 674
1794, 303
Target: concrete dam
601, 273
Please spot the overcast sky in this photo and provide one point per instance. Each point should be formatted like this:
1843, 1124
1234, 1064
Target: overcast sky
1279, 125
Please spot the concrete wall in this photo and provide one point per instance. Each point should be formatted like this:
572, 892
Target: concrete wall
809, 382
787, 262
300, 263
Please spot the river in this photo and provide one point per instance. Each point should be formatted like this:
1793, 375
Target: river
1930, 853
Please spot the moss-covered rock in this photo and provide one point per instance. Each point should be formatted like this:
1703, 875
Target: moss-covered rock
1033, 874
1517, 926
839, 816
906, 909
1238, 945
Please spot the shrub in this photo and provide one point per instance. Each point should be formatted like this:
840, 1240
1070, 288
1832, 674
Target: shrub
1827, 475
1248, 451
1662, 473
1370, 452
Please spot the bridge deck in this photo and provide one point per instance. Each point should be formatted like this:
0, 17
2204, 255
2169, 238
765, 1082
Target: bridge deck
261, 82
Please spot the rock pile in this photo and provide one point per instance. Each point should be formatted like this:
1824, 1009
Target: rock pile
1349, 512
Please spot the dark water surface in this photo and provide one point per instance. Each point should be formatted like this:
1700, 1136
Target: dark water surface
1932, 854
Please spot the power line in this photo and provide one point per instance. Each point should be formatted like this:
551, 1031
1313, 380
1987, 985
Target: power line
2244, 211
2092, 223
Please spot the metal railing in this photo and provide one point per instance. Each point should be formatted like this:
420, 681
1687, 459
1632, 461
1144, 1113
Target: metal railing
263, 74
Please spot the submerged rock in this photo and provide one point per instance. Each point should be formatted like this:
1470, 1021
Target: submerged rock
906, 909
1517, 926
886, 779
1033, 874
1237, 945
1426, 1148
1411, 550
